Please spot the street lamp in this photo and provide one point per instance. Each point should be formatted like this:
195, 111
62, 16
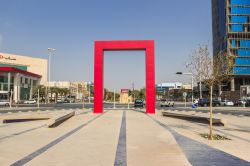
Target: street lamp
192, 81
89, 91
50, 50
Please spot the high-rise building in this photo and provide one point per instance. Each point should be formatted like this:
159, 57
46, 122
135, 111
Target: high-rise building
231, 36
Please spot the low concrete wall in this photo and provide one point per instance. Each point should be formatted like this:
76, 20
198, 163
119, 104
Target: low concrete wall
195, 118
57, 120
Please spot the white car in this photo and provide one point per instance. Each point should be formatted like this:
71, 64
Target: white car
30, 101
4, 103
227, 103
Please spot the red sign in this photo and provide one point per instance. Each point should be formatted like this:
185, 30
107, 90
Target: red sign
124, 90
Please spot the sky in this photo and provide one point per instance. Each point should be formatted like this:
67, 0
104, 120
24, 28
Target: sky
29, 27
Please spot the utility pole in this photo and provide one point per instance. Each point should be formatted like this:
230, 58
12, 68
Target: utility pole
192, 82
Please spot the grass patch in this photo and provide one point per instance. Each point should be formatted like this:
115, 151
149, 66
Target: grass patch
215, 137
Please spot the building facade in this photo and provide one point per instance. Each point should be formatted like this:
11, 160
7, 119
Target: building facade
164, 87
231, 37
30, 64
124, 96
19, 74
76, 88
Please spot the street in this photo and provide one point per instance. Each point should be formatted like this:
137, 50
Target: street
178, 106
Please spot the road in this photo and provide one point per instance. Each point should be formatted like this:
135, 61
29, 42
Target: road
178, 106
51, 106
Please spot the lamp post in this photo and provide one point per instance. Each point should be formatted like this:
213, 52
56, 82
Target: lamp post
89, 91
192, 82
50, 50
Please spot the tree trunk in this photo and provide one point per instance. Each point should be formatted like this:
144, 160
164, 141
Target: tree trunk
56, 97
211, 113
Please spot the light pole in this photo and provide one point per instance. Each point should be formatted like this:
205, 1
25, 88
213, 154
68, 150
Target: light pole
89, 90
50, 50
192, 82
161, 90
133, 91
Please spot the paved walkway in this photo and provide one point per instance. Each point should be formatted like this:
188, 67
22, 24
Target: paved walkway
116, 137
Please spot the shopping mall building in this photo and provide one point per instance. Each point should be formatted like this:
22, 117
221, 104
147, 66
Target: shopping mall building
20, 74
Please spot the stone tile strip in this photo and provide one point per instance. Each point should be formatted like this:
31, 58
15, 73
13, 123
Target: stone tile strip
121, 151
51, 144
199, 154
22, 132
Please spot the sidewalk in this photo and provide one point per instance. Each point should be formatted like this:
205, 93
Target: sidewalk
117, 137
91, 142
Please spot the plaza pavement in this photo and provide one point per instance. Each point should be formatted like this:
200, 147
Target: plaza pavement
120, 137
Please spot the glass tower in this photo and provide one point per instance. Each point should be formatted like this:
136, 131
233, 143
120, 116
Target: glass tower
231, 35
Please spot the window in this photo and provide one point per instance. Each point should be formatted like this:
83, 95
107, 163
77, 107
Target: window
237, 28
34, 82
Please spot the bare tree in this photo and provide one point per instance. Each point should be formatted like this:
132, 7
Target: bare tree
195, 67
211, 71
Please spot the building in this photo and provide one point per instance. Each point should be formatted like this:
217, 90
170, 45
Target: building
187, 86
76, 88
231, 36
164, 87
19, 74
124, 96
89, 90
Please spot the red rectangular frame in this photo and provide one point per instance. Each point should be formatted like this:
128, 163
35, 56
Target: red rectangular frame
147, 46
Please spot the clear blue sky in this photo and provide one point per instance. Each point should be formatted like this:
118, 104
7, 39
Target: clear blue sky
29, 27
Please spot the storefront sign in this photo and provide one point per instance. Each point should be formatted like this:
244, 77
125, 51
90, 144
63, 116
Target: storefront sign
7, 58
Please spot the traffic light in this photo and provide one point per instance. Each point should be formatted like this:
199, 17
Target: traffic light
178, 72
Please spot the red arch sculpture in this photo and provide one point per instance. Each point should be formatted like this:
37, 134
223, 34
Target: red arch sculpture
101, 46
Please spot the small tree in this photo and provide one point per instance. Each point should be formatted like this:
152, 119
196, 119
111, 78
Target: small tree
211, 71
42, 91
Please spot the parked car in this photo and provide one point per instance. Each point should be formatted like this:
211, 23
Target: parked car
247, 103
240, 102
138, 103
33, 101
4, 103
226, 103
166, 103
206, 102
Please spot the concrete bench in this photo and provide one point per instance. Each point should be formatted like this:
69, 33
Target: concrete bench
195, 118
24, 117
58, 119
53, 118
